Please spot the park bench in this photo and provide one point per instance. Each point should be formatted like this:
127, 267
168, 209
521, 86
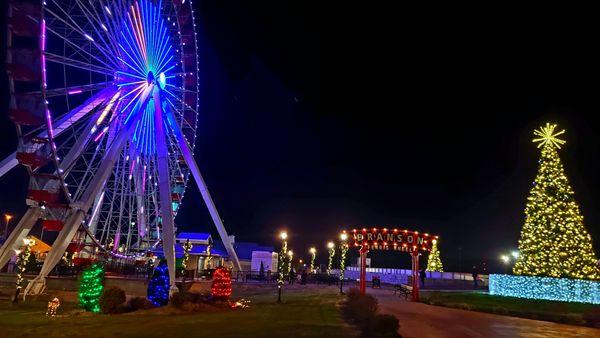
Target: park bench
403, 289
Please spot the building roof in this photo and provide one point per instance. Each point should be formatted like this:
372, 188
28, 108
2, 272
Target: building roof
39, 246
197, 249
243, 249
193, 236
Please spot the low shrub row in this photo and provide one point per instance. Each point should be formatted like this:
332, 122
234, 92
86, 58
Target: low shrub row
113, 300
361, 310
193, 302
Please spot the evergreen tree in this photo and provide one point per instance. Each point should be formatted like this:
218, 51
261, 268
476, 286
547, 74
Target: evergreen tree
159, 285
554, 242
90, 287
434, 262
261, 272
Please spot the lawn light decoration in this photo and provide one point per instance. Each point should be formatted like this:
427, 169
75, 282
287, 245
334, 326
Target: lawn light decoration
90, 287
331, 248
23, 258
158, 287
221, 283
106, 108
52, 307
313, 255
241, 304
366, 239
187, 246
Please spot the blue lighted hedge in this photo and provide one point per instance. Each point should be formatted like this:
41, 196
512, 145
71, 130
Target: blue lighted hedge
560, 289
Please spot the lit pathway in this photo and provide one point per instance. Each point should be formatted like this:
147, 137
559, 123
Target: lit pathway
421, 320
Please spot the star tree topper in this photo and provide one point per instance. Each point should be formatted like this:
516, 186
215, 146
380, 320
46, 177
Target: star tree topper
548, 136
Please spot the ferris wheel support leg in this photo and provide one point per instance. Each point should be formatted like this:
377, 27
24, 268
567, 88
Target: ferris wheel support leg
8, 163
38, 284
13, 242
191, 162
164, 190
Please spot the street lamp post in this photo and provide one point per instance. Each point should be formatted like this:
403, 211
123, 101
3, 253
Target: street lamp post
343, 250
282, 253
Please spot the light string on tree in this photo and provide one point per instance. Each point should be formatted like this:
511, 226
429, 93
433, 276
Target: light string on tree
434, 262
221, 283
554, 241
343, 251
91, 286
313, 255
290, 254
187, 246
159, 285
282, 255
23, 257
209, 256
331, 248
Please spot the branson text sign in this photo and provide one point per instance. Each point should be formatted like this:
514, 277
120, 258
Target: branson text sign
391, 239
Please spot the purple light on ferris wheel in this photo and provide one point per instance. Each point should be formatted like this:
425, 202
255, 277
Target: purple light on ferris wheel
75, 91
104, 130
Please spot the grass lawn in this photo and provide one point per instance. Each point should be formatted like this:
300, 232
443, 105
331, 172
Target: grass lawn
560, 312
305, 312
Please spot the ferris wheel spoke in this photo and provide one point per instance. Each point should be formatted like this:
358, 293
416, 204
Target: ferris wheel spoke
72, 24
74, 116
78, 64
75, 89
94, 18
80, 49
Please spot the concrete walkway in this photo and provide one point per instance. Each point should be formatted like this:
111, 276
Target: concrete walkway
422, 320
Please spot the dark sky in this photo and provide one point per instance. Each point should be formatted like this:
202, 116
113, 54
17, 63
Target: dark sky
317, 117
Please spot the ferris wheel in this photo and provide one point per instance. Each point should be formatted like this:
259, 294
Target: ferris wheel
104, 95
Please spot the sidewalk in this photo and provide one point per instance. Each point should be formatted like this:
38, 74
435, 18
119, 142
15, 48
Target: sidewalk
422, 320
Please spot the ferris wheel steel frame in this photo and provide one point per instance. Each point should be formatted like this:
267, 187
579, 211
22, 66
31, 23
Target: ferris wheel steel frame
113, 166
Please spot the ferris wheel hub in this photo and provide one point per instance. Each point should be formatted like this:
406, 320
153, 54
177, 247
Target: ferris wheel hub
150, 77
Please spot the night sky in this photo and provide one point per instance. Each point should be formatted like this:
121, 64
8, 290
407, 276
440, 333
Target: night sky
318, 117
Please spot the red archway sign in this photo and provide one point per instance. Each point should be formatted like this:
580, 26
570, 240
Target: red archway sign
390, 239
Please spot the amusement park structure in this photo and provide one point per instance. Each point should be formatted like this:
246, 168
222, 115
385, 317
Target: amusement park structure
104, 96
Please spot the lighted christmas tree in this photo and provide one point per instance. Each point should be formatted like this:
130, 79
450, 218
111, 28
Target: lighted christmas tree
90, 287
554, 242
221, 283
158, 287
434, 262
